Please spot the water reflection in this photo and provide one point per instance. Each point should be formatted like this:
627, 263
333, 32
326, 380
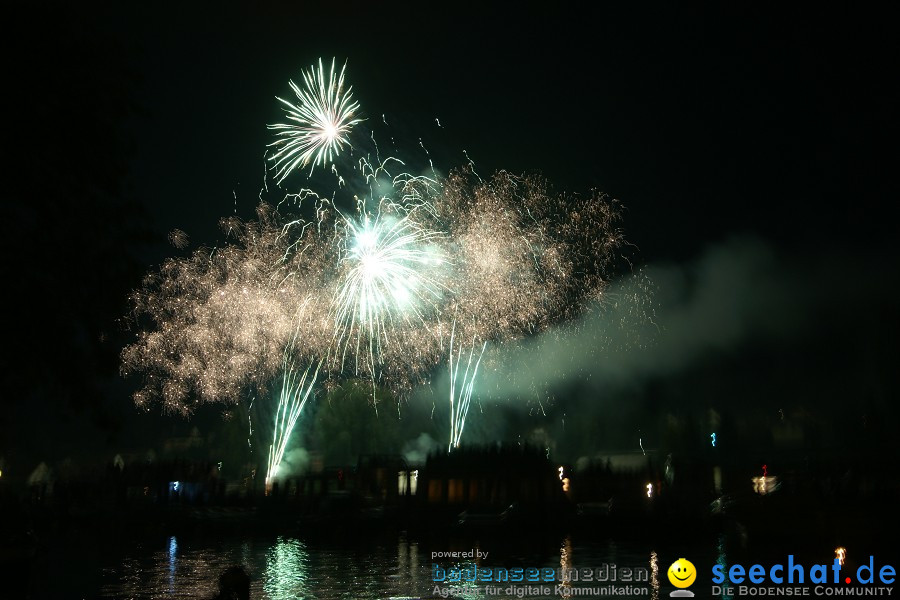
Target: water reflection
722, 561
408, 567
565, 559
173, 553
167, 571
287, 568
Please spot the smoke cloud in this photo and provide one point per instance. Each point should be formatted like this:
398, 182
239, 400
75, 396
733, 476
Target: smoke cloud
416, 451
295, 462
659, 321
744, 324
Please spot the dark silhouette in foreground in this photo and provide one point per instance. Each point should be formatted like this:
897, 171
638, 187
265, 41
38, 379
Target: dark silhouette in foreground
234, 584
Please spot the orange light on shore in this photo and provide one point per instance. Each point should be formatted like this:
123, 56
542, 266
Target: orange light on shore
565, 480
840, 554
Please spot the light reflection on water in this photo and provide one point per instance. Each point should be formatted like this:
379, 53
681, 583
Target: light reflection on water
287, 565
280, 569
284, 567
173, 553
722, 561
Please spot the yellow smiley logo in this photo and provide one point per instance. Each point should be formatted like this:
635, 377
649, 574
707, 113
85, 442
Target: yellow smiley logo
682, 573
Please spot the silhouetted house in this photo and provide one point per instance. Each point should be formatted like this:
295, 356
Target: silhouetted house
384, 478
489, 478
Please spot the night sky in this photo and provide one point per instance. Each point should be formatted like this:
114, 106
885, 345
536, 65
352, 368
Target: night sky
755, 153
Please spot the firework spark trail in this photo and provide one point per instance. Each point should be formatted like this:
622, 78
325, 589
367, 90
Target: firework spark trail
321, 120
250, 423
296, 388
461, 389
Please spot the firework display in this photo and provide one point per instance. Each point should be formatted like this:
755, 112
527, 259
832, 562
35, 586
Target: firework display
418, 273
320, 121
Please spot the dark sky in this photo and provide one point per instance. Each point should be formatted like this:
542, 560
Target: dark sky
703, 124
779, 127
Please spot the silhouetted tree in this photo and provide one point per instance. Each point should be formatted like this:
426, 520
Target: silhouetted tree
346, 424
72, 226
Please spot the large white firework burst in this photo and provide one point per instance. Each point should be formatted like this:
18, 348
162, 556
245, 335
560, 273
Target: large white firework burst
389, 279
320, 121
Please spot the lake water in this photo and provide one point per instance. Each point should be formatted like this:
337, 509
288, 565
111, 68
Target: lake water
346, 566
